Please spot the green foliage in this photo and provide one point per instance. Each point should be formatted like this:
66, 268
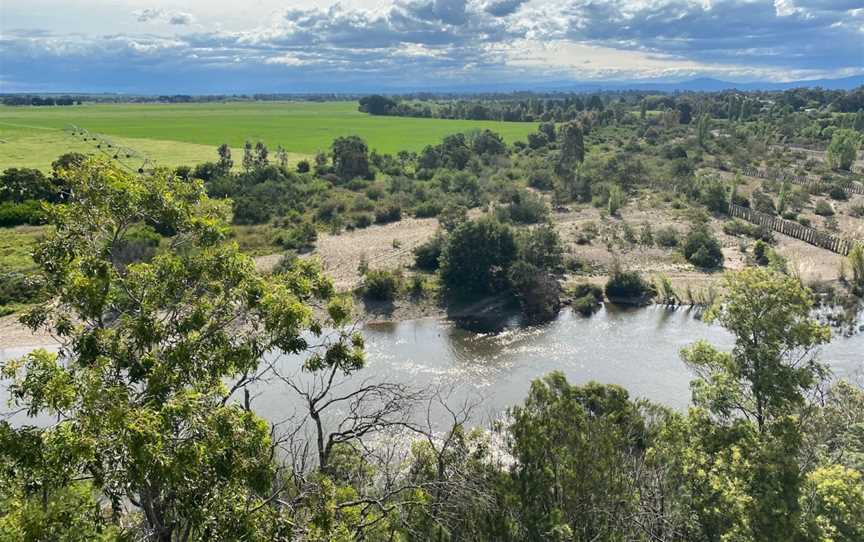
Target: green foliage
350, 157
555, 433
146, 413
523, 207
381, 285
427, 256
843, 149
30, 212
667, 237
541, 247
702, 248
477, 256
628, 287
773, 365
823, 208
616, 200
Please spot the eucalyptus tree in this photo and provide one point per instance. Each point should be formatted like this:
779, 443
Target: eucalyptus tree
151, 355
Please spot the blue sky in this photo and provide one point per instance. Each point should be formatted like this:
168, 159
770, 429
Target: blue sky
200, 46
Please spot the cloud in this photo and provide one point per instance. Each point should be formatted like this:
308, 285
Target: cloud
413, 43
502, 8
176, 18
149, 14
181, 19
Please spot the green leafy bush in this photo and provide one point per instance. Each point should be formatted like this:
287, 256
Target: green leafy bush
381, 285
427, 256
702, 249
17, 214
823, 208
628, 287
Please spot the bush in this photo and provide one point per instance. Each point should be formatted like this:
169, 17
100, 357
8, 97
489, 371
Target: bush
857, 211
389, 212
702, 249
666, 237
524, 207
763, 203
303, 166
477, 255
537, 291
739, 228
301, 237
823, 208
362, 220
427, 209
17, 214
139, 245
427, 256
760, 253
381, 285
586, 298
837, 193
628, 287
18, 288
542, 247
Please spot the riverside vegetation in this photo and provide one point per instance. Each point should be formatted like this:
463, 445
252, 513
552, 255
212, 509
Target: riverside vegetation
164, 322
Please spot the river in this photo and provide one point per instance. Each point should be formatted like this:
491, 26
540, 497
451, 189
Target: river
635, 348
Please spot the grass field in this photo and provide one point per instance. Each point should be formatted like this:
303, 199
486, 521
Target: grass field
173, 134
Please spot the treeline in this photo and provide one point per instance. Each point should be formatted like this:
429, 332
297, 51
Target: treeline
152, 437
558, 107
18, 99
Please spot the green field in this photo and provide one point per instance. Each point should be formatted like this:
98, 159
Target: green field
174, 134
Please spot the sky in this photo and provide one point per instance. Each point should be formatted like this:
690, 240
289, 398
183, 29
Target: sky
246, 46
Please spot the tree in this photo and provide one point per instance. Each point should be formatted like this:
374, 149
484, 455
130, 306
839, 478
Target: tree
21, 184
248, 157
773, 364
155, 351
685, 113
261, 156
477, 255
843, 149
225, 162
350, 157
572, 146
702, 248
555, 434
703, 129
377, 105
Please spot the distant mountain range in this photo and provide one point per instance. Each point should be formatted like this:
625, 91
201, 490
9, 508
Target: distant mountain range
704, 84
326, 87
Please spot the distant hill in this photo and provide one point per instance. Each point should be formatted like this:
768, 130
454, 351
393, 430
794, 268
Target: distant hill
704, 84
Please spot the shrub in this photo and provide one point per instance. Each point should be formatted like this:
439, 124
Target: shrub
523, 207
427, 256
17, 214
763, 203
538, 293
301, 237
477, 255
760, 253
702, 249
427, 209
541, 179
388, 212
838, 193
541, 247
667, 237
857, 211
823, 208
381, 285
303, 166
362, 220
628, 287
616, 200
139, 245
19, 288
586, 298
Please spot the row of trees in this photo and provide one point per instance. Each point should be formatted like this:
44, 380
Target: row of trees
153, 437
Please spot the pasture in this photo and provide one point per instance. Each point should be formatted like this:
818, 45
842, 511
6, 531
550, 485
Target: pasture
174, 134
